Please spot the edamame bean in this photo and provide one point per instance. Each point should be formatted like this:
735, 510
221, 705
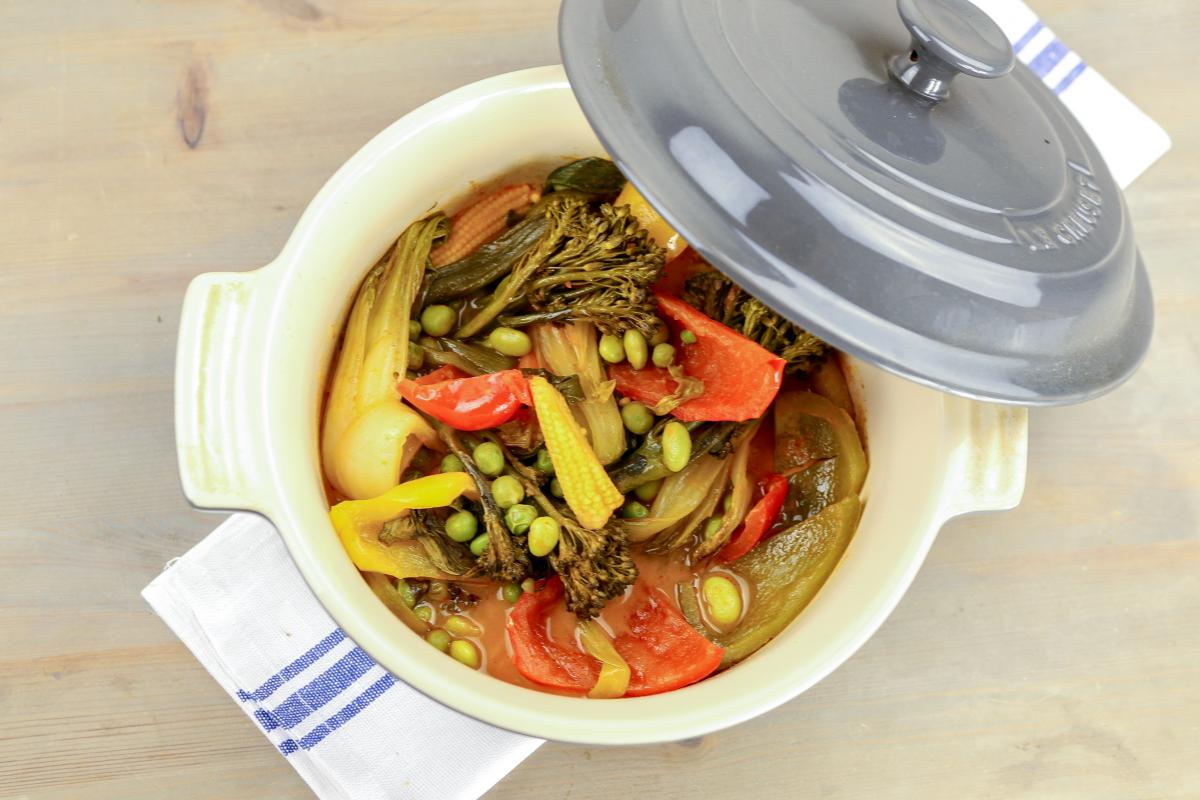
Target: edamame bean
724, 600
461, 526
520, 517
461, 626
414, 330
510, 342
439, 639
511, 592
661, 333
424, 612
507, 491
452, 463
633, 510
408, 595
489, 458
544, 464
465, 652
648, 491
479, 544
663, 355
676, 446
687, 337
637, 418
712, 526
636, 349
543, 536
438, 320
556, 488
611, 349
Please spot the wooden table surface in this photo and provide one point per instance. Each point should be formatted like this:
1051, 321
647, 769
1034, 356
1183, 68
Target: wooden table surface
1050, 652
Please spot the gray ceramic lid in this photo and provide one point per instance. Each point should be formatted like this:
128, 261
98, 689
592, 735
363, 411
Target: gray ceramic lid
880, 173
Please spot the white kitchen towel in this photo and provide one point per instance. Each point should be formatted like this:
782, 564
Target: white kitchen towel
350, 729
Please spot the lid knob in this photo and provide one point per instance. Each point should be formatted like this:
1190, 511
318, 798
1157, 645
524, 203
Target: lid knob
949, 37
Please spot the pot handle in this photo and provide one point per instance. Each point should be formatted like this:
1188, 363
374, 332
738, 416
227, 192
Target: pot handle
219, 415
987, 468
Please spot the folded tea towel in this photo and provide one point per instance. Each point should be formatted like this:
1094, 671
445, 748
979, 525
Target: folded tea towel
346, 725
350, 729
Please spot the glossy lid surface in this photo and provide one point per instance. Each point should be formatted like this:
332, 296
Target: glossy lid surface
882, 174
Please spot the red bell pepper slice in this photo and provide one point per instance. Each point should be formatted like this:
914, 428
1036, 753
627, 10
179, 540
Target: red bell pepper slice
470, 404
741, 378
758, 521
663, 651
538, 657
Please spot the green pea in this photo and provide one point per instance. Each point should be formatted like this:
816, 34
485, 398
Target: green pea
637, 418
510, 342
520, 517
478, 545
461, 526
465, 652
424, 612
636, 349
414, 330
462, 626
676, 446
648, 491
416, 356
661, 333
664, 355
724, 599
712, 526
543, 536
439, 639
544, 464
528, 585
511, 592
489, 458
507, 491
611, 349
452, 463
634, 510
556, 488
438, 320
687, 337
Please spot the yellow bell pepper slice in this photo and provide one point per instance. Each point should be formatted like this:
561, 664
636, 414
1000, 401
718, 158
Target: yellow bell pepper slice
613, 680
358, 523
659, 229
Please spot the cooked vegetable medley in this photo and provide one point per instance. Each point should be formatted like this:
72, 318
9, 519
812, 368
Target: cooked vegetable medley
564, 449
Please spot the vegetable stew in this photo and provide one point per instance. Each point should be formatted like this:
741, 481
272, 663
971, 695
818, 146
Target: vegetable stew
564, 449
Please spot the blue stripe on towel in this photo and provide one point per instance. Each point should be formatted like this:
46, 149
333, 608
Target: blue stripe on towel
1070, 77
347, 713
293, 669
1048, 59
320, 691
1020, 44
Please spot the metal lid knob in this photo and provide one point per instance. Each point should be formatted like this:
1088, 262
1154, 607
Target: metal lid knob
949, 37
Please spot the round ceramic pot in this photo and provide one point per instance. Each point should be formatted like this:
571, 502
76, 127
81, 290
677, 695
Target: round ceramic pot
253, 352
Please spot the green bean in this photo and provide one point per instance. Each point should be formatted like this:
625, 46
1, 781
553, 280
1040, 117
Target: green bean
663, 355
461, 626
636, 349
438, 320
543, 536
637, 418
489, 458
452, 463
519, 517
465, 652
676, 446
611, 348
479, 544
439, 639
510, 342
461, 526
723, 598
507, 491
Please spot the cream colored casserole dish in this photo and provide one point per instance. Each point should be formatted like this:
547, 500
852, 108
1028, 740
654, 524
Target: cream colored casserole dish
254, 348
